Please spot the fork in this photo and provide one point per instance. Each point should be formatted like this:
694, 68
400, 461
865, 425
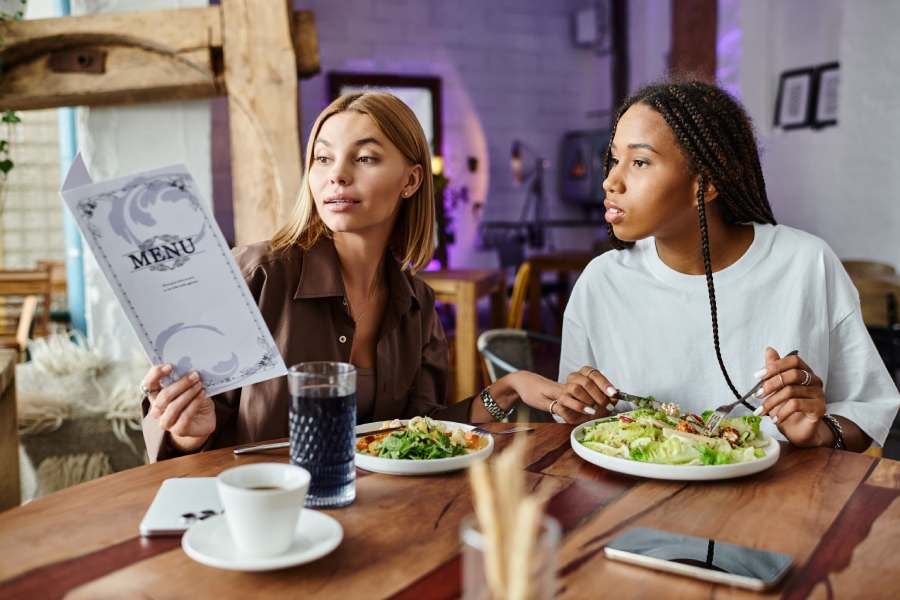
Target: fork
715, 419
275, 445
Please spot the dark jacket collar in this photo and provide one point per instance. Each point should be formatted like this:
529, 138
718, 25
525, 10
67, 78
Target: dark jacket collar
320, 276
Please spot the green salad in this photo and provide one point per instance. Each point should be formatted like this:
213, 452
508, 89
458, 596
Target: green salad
654, 436
421, 438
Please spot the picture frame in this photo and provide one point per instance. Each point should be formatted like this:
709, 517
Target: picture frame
825, 111
421, 93
796, 95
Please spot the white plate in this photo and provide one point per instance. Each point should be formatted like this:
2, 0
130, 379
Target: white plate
673, 472
392, 466
209, 542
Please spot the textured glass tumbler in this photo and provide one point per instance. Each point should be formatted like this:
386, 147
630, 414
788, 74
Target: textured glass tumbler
540, 572
322, 418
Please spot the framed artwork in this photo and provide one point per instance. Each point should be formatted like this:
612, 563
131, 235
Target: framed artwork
421, 94
793, 106
828, 79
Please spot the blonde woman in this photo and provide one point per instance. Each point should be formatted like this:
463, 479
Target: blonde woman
338, 284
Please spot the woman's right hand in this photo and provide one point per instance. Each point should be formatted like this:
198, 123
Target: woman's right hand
588, 390
182, 408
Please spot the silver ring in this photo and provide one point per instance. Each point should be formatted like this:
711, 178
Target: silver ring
552, 404
807, 377
145, 393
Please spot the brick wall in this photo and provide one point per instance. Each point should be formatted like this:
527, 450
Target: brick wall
509, 71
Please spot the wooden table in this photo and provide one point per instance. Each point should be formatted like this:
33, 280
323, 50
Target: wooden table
836, 513
561, 263
10, 494
462, 288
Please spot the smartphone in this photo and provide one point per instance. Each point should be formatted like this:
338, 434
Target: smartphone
702, 558
179, 503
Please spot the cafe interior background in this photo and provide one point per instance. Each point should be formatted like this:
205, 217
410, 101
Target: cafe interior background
516, 96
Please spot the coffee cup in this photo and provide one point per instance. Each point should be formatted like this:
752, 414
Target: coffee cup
262, 505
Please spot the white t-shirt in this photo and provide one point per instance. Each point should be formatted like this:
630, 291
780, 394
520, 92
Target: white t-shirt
647, 327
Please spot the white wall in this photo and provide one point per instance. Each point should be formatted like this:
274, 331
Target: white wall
117, 141
840, 183
866, 208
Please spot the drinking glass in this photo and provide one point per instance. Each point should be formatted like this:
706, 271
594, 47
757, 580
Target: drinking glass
322, 417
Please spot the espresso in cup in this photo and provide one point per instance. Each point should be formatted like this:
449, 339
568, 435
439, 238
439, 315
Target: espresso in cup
262, 505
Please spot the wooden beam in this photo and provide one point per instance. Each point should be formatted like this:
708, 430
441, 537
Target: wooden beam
306, 43
125, 58
694, 27
132, 76
263, 98
144, 58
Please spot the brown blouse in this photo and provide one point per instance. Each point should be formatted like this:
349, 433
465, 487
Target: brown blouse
301, 297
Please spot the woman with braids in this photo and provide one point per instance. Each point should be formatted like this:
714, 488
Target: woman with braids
706, 294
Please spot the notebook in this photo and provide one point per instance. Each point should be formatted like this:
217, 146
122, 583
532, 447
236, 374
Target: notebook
179, 503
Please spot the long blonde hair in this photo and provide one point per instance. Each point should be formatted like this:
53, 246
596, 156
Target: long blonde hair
413, 236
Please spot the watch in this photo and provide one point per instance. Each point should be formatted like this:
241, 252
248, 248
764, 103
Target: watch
835, 426
492, 407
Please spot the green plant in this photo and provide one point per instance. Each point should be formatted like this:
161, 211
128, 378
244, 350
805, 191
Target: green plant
8, 118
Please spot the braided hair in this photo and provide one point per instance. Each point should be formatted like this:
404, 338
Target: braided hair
716, 136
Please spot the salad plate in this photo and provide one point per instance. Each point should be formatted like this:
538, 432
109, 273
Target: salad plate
646, 445
425, 437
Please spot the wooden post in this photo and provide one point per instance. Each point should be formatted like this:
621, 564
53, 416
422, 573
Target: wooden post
260, 75
620, 72
694, 26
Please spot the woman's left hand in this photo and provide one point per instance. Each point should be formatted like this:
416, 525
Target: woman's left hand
545, 394
795, 399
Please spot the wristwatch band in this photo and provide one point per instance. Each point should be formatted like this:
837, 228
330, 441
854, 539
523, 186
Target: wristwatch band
835, 426
492, 407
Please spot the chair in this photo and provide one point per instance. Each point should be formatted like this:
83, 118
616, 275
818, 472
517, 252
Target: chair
508, 350
24, 307
516, 314
59, 310
863, 268
504, 351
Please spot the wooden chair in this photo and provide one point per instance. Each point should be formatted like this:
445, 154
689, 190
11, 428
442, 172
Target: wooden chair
58, 283
863, 268
516, 313
875, 291
512, 348
24, 307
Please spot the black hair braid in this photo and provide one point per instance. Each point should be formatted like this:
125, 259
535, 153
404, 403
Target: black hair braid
711, 288
716, 136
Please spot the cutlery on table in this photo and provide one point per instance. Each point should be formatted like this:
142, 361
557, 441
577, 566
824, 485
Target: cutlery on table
275, 445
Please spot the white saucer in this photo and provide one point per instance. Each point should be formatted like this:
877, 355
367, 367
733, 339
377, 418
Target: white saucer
209, 542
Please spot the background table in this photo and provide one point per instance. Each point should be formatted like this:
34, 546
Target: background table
836, 513
563, 264
462, 288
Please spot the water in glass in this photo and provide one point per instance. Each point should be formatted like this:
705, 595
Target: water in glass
322, 418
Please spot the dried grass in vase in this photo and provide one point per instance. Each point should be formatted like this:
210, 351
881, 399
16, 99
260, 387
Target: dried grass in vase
509, 519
